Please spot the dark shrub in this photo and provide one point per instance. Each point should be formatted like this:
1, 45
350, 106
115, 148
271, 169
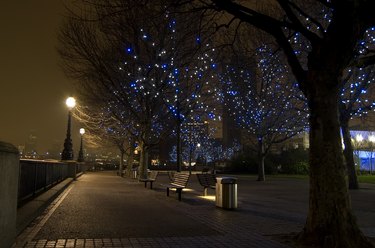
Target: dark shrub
243, 163
248, 163
298, 168
288, 162
292, 162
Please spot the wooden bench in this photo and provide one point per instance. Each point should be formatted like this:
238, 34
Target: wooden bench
178, 182
207, 181
150, 179
171, 175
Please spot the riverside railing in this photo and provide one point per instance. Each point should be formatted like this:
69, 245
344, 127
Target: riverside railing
38, 175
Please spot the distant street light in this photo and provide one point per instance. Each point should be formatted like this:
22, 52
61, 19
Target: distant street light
67, 153
80, 154
359, 138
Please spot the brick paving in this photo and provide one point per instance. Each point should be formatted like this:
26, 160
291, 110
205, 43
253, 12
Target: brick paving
197, 241
260, 216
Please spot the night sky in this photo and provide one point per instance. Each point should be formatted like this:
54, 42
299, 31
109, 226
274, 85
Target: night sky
33, 88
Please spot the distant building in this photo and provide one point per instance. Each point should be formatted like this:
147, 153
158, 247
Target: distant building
31, 146
299, 141
362, 130
54, 152
21, 150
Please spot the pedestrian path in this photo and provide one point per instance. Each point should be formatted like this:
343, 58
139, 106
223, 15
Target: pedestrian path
104, 210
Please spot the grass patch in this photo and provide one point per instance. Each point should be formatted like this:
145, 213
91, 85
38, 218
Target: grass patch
273, 176
366, 179
289, 176
361, 178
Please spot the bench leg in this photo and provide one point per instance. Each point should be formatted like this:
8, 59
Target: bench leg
150, 185
205, 191
167, 191
146, 184
179, 191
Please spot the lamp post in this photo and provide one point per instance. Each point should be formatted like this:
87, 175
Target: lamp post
198, 154
67, 153
190, 147
80, 154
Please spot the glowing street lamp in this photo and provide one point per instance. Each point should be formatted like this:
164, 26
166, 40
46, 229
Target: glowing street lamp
67, 153
82, 131
80, 154
70, 102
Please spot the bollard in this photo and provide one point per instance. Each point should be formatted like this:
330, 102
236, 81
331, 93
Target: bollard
9, 173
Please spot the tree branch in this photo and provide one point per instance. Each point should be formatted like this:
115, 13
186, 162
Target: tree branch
311, 36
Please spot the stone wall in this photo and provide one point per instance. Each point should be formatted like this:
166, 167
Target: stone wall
9, 172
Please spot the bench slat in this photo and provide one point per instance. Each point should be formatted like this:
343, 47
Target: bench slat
150, 179
207, 181
178, 182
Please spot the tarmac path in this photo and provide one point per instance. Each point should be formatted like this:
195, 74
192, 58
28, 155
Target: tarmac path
103, 210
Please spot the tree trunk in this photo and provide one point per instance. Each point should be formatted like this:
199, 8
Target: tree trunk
130, 160
178, 134
330, 220
261, 158
178, 148
143, 163
348, 154
121, 166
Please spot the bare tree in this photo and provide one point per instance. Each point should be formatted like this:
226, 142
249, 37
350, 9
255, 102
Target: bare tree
102, 128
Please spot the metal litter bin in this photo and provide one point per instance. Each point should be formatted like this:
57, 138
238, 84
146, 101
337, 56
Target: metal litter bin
226, 192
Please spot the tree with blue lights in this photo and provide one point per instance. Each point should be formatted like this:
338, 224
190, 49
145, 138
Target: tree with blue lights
355, 103
355, 99
191, 97
356, 84
183, 72
208, 150
265, 102
332, 44
198, 141
140, 63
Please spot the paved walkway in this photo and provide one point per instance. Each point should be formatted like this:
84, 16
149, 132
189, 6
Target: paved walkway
104, 210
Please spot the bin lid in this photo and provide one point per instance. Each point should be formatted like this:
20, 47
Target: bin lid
226, 180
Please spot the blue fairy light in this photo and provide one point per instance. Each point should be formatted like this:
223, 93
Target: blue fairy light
129, 50
198, 40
